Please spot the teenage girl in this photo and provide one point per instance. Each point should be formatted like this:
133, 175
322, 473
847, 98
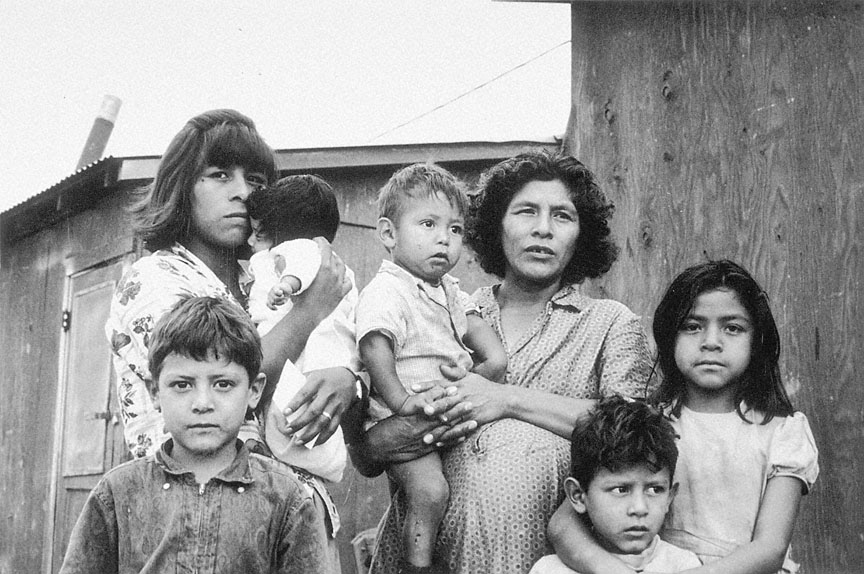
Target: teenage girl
746, 457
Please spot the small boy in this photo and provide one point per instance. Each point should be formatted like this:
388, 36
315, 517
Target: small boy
285, 218
623, 457
411, 320
203, 502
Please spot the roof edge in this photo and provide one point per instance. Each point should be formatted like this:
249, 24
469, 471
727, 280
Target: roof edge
82, 189
302, 159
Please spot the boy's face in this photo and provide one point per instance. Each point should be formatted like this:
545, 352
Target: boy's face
626, 508
427, 239
204, 404
259, 240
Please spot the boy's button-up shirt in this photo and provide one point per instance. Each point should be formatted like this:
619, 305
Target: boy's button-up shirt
150, 515
426, 324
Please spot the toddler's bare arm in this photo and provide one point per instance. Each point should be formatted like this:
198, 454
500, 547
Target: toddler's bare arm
376, 352
490, 358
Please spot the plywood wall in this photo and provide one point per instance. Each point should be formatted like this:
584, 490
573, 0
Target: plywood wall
32, 300
736, 129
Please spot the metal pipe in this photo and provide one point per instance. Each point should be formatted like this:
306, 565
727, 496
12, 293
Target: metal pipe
100, 132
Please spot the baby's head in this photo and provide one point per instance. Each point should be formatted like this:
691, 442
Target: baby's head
295, 207
421, 219
623, 458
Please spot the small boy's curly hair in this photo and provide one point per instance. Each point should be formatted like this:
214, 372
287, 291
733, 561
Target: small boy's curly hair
595, 250
198, 326
619, 433
296, 207
420, 180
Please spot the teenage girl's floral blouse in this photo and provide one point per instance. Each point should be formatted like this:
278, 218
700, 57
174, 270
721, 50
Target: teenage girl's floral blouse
150, 288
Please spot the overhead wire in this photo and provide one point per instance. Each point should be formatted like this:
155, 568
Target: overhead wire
472, 90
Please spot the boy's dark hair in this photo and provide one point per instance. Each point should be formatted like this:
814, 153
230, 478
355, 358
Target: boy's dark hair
595, 250
198, 326
763, 389
223, 138
619, 433
296, 207
420, 180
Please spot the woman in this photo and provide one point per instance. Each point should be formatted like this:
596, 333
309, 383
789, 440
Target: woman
540, 225
193, 219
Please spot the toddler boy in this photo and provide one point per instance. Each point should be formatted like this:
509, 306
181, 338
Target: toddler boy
411, 320
202, 502
623, 457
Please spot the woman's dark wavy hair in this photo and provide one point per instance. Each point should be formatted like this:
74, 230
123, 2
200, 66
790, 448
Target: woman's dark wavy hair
224, 138
595, 251
763, 386
296, 207
618, 433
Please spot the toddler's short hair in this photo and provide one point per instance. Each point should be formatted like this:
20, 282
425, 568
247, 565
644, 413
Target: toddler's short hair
619, 433
296, 207
198, 326
420, 180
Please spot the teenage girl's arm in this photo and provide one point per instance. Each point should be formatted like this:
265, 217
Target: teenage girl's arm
765, 553
577, 548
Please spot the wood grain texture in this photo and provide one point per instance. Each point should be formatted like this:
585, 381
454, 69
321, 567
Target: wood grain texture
734, 129
31, 301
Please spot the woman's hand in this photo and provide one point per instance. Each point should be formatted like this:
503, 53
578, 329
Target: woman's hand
400, 439
488, 401
320, 404
492, 401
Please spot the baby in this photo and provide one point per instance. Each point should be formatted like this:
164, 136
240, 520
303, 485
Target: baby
285, 217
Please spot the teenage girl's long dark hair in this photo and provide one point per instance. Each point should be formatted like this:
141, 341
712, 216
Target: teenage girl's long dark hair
763, 386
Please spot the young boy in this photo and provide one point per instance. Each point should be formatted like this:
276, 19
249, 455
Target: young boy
203, 502
411, 320
285, 218
623, 457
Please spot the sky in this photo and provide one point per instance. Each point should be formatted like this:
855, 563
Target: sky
310, 73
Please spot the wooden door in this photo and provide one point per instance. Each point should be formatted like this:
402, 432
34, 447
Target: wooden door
91, 441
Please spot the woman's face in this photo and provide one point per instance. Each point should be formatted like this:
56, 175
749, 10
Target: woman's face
539, 233
219, 216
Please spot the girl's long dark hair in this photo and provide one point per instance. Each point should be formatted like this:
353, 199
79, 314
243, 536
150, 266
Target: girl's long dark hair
595, 249
763, 386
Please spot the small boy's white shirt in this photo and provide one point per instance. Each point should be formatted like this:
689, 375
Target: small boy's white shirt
660, 557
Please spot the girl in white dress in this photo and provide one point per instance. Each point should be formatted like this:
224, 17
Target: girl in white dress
746, 457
